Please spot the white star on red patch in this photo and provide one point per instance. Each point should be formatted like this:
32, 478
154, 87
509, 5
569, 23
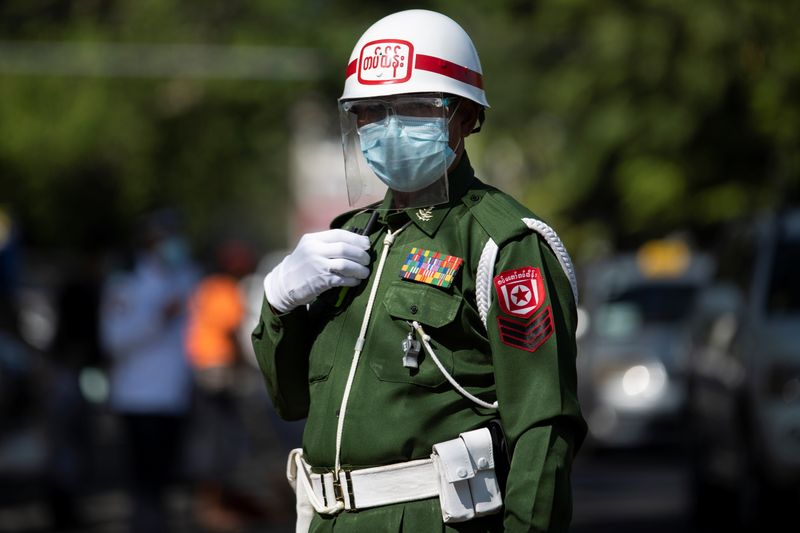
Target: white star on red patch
520, 295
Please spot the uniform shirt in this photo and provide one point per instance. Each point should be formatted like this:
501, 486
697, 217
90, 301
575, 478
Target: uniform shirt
395, 414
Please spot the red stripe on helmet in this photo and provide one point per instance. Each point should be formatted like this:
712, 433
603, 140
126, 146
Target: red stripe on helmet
351, 68
449, 69
437, 66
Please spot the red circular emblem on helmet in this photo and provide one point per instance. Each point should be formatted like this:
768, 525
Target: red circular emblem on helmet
385, 61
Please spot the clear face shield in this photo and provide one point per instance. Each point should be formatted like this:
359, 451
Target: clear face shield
399, 142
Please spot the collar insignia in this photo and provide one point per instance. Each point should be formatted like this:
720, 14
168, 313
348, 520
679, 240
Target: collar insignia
425, 214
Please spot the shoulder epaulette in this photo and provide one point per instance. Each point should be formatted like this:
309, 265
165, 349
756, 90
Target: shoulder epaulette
503, 219
498, 214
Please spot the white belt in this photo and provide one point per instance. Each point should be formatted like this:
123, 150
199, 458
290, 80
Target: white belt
460, 472
373, 487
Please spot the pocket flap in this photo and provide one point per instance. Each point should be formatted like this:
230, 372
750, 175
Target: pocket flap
454, 460
428, 305
479, 446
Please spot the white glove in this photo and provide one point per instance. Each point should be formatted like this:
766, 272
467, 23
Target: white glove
321, 261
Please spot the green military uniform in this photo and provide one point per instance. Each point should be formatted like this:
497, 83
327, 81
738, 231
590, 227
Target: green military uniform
396, 414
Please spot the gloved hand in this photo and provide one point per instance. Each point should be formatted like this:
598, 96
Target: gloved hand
321, 261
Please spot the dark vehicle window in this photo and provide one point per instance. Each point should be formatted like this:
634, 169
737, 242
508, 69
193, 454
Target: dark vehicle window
660, 303
783, 297
736, 258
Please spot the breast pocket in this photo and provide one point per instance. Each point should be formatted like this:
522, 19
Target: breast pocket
324, 349
435, 310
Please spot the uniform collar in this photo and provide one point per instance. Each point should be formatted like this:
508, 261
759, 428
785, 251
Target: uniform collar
429, 219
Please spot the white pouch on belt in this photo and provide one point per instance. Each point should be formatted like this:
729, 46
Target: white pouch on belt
468, 486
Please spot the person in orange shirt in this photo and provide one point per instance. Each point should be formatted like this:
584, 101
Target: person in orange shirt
216, 310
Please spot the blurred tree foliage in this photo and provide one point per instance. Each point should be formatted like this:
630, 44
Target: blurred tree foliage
643, 117
618, 121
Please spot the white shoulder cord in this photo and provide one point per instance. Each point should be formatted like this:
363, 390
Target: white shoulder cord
483, 279
485, 271
558, 248
387, 243
426, 342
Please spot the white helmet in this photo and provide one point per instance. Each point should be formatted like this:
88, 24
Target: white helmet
414, 51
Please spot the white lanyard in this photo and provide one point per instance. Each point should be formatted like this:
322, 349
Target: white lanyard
387, 243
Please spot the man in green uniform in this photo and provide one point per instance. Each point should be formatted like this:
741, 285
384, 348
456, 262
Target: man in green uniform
445, 308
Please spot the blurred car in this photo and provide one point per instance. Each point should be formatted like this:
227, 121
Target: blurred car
634, 342
745, 380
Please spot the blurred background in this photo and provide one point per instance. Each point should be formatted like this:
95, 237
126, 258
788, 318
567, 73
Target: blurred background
158, 156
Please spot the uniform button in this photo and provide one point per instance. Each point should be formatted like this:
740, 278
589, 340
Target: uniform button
462, 472
482, 462
414, 309
474, 197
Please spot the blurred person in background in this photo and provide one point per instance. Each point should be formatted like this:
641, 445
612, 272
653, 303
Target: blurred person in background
143, 325
467, 318
8, 257
19, 378
218, 437
20, 406
75, 348
19, 402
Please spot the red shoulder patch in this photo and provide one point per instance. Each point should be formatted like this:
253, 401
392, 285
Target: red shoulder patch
520, 292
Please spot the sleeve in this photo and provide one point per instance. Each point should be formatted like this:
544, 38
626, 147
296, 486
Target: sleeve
282, 343
531, 327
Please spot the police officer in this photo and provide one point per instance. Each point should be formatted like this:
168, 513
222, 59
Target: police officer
418, 326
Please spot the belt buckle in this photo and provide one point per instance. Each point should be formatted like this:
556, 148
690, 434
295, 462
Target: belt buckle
338, 491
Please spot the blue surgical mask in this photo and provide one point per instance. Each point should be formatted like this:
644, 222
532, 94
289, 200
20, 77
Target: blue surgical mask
407, 153
173, 252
